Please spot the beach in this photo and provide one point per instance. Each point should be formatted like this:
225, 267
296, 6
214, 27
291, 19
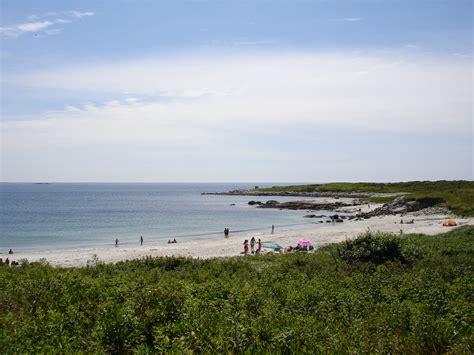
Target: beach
317, 234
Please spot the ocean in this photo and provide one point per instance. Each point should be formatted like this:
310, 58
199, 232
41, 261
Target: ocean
70, 215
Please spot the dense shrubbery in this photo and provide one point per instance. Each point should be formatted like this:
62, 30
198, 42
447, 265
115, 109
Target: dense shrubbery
290, 303
376, 248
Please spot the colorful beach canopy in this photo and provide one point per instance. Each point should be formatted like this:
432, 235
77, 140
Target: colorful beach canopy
304, 242
272, 245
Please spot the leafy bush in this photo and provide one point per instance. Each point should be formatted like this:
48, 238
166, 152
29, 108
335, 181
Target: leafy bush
376, 248
295, 303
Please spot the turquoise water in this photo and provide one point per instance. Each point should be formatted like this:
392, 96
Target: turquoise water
55, 216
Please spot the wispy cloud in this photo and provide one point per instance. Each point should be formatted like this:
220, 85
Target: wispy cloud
18, 29
368, 90
220, 106
38, 23
82, 14
350, 19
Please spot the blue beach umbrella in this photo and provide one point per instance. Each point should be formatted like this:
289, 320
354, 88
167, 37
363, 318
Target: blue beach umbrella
272, 245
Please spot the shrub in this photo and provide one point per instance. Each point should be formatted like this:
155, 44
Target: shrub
372, 247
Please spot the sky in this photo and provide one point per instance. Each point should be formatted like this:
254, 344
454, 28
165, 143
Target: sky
235, 91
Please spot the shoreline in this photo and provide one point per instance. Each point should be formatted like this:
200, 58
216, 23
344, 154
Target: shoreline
205, 248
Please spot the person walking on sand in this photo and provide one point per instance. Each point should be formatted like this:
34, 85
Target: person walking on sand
273, 228
141, 240
246, 247
116, 242
252, 245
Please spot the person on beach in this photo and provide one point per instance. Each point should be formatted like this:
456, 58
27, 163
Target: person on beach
116, 242
7, 261
252, 245
259, 247
226, 232
174, 240
273, 228
141, 240
10, 252
246, 247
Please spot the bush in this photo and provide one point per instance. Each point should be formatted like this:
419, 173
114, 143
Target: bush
376, 248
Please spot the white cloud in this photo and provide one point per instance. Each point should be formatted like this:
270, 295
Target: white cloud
20, 28
188, 103
35, 25
61, 20
82, 14
389, 91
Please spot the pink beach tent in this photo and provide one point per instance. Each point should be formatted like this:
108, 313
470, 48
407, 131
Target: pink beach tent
304, 242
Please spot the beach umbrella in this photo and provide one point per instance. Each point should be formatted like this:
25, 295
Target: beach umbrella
272, 245
304, 242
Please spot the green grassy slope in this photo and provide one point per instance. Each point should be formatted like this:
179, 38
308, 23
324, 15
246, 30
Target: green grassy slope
291, 303
458, 196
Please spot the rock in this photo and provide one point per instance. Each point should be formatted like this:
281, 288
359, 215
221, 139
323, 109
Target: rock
251, 203
399, 210
413, 206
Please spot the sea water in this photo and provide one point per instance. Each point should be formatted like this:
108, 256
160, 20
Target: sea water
70, 215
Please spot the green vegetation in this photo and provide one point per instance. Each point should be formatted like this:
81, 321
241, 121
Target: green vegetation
409, 294
457, 196
376, 249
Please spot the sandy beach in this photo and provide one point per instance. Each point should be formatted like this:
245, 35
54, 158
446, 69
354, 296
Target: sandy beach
318, 234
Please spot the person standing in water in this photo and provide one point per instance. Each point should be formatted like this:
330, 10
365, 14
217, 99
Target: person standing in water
273, 228
116, 242
141, 240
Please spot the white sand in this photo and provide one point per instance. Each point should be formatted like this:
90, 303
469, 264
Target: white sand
207, 248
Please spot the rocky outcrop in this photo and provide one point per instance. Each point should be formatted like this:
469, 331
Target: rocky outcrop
400, 205
304, 205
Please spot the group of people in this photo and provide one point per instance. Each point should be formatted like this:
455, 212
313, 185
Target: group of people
172, 241
7, 260
253, 242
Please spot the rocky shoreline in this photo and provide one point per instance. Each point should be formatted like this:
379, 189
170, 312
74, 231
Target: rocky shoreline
303, 205
399, 206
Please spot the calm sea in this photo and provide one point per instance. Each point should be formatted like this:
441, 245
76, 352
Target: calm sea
55, 216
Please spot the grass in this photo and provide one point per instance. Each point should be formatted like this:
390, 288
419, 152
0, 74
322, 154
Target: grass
414, 294
458, 196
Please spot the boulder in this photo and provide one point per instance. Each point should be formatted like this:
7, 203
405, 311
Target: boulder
413, 206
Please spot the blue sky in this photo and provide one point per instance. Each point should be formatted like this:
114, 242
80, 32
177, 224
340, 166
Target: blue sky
236, 90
